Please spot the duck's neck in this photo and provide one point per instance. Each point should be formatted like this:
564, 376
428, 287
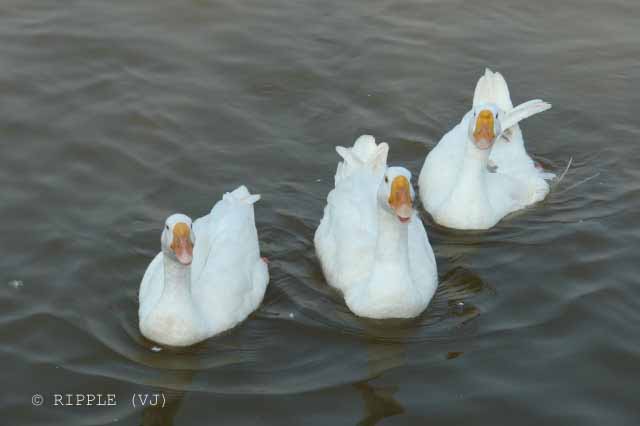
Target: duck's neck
470, 188
393, 242
177, 280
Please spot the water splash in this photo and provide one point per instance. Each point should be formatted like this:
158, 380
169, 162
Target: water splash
16, 284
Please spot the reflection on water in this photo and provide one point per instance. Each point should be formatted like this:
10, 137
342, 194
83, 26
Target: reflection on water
378, 403
387, 341
163, 415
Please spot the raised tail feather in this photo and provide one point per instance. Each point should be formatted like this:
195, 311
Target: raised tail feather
242, 194
364, 153
492, 88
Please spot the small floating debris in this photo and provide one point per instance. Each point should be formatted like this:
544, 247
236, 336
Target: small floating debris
453, 355
318, 180
291, 315
460, 307
16, 284
156, 349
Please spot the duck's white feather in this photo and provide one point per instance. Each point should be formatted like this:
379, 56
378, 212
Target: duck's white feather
226, 281
460, 192
492, 89
167, 312
232, 278
509, 153
516, 183
347, 239
149, 293
351, 211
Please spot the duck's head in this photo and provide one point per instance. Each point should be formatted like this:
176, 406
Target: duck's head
396, 194
484, 126
178, 238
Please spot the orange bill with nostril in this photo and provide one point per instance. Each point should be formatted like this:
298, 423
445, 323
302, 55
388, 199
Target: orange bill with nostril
484, 127
181, 244
400, 196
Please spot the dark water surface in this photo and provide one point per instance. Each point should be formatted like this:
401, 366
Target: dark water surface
115, 114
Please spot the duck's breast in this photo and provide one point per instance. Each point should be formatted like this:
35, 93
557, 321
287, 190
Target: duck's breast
151, 287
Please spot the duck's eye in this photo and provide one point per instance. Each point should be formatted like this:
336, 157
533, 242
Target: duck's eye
386, 179
497, 114
167, 226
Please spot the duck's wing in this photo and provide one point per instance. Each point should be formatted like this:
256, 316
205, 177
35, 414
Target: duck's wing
345, 238
422, 260
523, 111
512, 159
227, 259
441, 167
510, 193
203, 228
234, 213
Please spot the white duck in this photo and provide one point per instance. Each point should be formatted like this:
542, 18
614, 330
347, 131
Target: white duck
208, 277
371, 243
509, 155
462, 186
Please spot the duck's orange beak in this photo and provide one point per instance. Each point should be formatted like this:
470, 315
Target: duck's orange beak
483, 135
400, 198
182, 245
